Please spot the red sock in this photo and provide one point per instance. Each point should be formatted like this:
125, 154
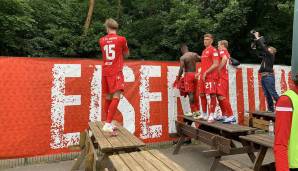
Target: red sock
222, 107
112, 109
106, 109
193, 107
212, 104
228, 108
204, 103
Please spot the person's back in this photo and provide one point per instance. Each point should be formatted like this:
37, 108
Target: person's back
190, 60
113, 46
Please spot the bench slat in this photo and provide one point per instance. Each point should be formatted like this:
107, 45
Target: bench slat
131, 137
154, 161
234, 165
130, 162
171, 164
142, 161
100, 138
118, 163
115, 142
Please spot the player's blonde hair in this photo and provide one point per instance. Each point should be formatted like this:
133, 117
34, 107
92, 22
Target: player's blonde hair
111, 24
209, 35
225, 43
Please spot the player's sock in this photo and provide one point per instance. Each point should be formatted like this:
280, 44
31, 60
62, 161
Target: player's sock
193, 108
222, 107
204, 103
112, 109
106, 108
212, 104
228, 108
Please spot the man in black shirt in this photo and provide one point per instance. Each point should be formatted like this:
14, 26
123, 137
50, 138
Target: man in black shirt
266, 70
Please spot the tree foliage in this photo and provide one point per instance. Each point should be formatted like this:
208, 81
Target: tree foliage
154, 28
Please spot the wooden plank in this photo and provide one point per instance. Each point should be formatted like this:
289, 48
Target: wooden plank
114, 141
261, 139
231, 128
129, 135
269, 115
171, 164
103, 143
118, 164
260, 123
142, 161
206, 137
223, 144
216, 152
234, 165
130, 162
154, 161
260, 158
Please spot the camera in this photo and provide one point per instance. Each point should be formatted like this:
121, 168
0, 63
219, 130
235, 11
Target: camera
253, 39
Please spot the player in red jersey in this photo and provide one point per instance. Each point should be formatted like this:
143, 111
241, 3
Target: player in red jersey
222, 88
188, 84
208, 77
113, 48
284, 126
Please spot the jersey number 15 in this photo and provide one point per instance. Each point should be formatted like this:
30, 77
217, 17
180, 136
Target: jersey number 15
110, 51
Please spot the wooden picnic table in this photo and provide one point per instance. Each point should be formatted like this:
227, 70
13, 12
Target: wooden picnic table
266, 115
151, 160
232, 131
98, 141
259, 119
265, 141
219, 136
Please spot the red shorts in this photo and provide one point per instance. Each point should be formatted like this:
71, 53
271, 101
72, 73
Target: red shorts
222, 87
111, 84
207, 87
189, 82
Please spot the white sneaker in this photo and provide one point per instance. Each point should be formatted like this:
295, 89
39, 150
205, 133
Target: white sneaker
205, 117
188, 114
220, 118
211, 119
196, 115
114, 127
108, 127
230, 120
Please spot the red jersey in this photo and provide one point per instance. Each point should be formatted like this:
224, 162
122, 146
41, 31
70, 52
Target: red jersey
209, 55
113, 48
223, 73
283, 125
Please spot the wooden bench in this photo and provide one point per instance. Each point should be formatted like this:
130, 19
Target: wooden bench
151, 160
99, 145
219, 136
234, 165
264, 141
261, 119
216, 141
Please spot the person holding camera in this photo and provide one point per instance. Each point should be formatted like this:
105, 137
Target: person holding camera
268, 81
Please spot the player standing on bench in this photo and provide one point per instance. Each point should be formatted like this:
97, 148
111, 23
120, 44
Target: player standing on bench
114, 48
188, 67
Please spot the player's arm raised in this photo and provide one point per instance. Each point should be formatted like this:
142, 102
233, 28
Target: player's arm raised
181, 68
